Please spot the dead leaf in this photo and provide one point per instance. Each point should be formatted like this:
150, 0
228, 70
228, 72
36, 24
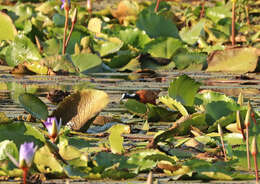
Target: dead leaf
77, 110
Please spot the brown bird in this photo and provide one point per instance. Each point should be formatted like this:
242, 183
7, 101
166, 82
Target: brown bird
144, 96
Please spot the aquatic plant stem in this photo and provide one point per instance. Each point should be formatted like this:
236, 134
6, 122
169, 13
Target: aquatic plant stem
233, 23
202, 11
247, 148
89, 7
74, 20
247, 15
65, 30
254, 152
25, 171
157, 6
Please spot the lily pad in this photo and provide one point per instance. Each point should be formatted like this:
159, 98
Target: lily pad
87, 63
183, 89
34, 106
240, 60
8, 147
156, 25
21, 50
192, 35
7, 28
115, 138
163, 47
78, 109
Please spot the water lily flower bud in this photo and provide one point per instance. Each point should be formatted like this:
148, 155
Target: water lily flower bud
53, 127
26, 155
248, 113
74, 17
254, 146
65, 4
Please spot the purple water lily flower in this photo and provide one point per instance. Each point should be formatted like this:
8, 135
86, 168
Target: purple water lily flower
53, 127
26, 154
65, 4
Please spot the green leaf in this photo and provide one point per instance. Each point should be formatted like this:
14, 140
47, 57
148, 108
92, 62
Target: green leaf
107, 45
52, 47
7, 146
135, 107
183, 60
163, 47
218, 109
87, 63
49, 164
192, 35
174, 105
115, 138
183, 89
7, 28
182, 127
37, 68
216, 13
212, 96
240, 60
156, 25
21, 50
134, 37
59, 63
21, 132
74, 172
106, 159
34, 106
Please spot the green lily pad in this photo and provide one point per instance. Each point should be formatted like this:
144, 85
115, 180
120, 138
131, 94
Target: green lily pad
192, 35
136, 107
183, 89
34, 106
115, 138
59, 63
174, 105
49, 164
186, 59
218, 12
163, 47
7, 146
107, 45
20, 132
156, 25
87, 63
21, 50
7, 28
134, 37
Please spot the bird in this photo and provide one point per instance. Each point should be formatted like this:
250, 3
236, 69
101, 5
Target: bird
143, 96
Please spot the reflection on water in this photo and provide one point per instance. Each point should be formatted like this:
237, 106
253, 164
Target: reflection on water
115, 84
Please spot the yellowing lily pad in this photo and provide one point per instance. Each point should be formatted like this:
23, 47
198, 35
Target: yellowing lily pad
77, 109
240, 60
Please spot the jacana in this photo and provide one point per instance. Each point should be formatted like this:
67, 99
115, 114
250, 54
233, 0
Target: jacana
143, 96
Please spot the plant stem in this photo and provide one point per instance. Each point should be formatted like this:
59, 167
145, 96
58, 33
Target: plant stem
68, 38
247, 15
233, 23
247, 148
157, 6
202, 11
65, 30
256, 168
25, 171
